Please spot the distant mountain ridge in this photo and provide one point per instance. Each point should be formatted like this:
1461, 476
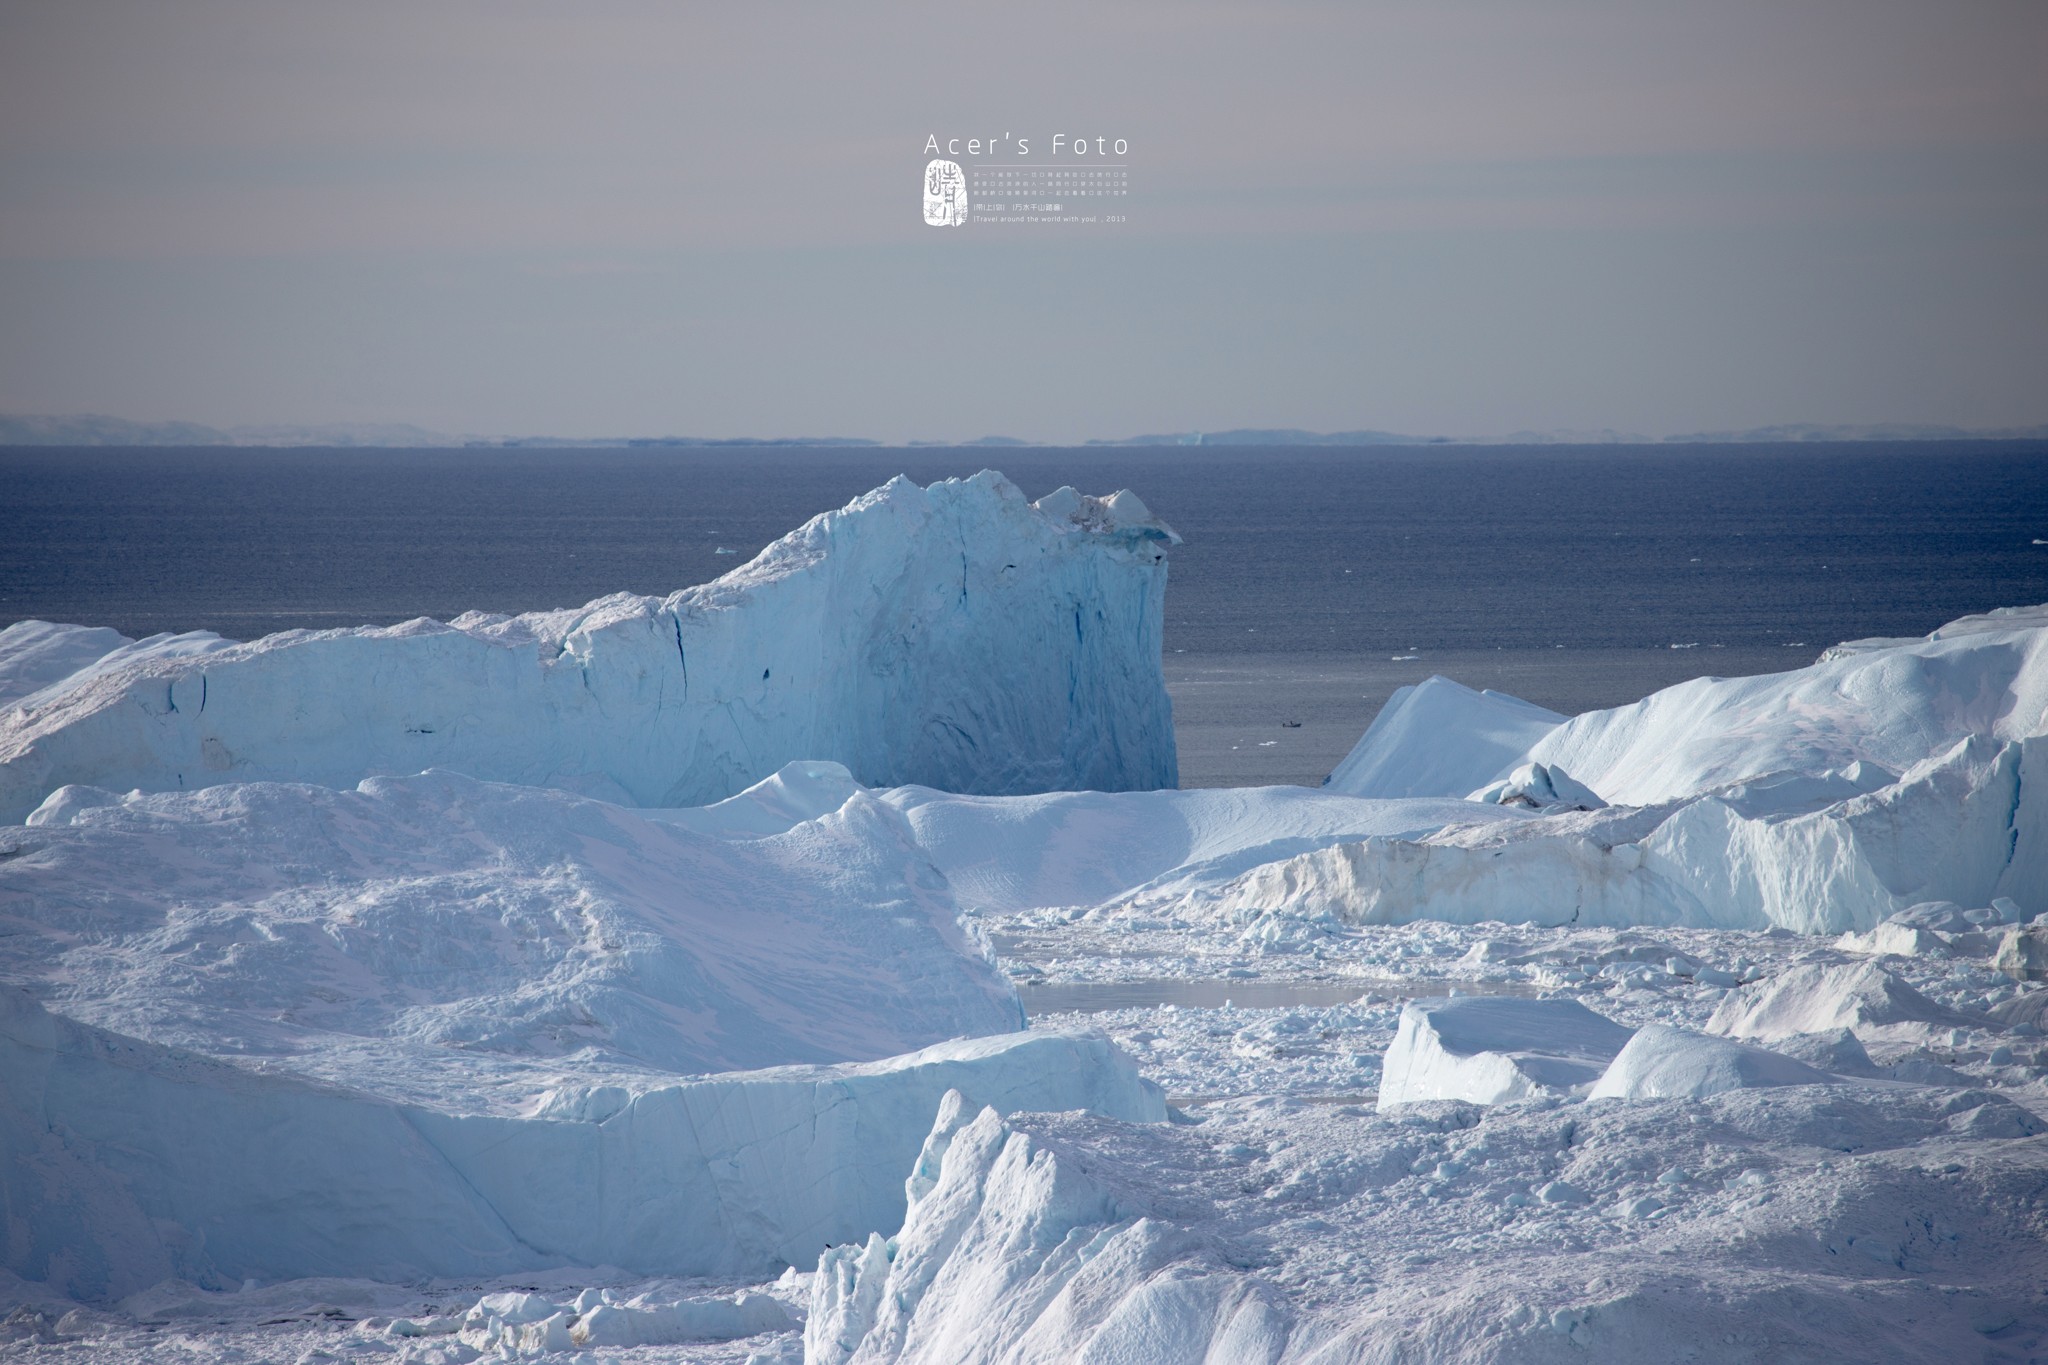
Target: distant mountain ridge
27, 430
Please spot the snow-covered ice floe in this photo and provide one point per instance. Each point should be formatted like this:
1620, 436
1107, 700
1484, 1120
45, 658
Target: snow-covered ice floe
955, 635
1777, 1223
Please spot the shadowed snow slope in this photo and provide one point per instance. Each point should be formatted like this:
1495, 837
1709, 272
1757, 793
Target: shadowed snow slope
130, 1162
955, 635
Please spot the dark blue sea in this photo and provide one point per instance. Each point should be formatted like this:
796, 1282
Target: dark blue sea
1313, 580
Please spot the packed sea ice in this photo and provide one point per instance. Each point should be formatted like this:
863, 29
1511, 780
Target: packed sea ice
1708, 1028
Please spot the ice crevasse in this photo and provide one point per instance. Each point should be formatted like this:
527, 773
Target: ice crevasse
870, 637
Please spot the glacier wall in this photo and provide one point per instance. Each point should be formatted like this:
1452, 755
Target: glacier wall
129, 1162
956, 636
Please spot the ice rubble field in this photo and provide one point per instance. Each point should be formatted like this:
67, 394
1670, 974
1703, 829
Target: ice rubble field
382, 994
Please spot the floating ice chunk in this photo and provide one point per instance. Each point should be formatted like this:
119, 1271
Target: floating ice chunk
1861, 997
1895, 939
1540, 786
1961, 825
2023, 950
1836, 1051
1496, 1050
1940, 917
686, 1320
1661, 1062
1440, 738
1085, 848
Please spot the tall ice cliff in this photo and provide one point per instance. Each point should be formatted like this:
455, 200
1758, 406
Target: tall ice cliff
956, 636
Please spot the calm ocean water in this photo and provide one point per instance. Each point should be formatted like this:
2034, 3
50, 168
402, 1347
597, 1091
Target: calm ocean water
1306, 570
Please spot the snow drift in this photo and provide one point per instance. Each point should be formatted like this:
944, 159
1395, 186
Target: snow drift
957, 636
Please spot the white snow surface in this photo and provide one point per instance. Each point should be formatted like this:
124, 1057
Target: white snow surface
1661, 1062
955, 635
35, 654
437, 936
438, 1026
1441, 738
40, 660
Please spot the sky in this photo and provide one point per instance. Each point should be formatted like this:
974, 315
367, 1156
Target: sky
626, 218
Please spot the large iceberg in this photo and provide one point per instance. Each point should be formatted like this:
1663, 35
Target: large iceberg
438, 1026
436, 935
957, 636
1822, 800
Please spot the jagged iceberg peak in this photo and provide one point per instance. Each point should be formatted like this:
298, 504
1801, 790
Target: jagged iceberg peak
1121, 513
956, 636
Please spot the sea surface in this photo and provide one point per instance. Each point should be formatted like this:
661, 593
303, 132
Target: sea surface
1312, 583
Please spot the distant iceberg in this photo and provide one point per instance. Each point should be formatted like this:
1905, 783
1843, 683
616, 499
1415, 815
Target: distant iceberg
956, 636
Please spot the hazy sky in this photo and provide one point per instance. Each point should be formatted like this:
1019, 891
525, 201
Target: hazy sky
640, 218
